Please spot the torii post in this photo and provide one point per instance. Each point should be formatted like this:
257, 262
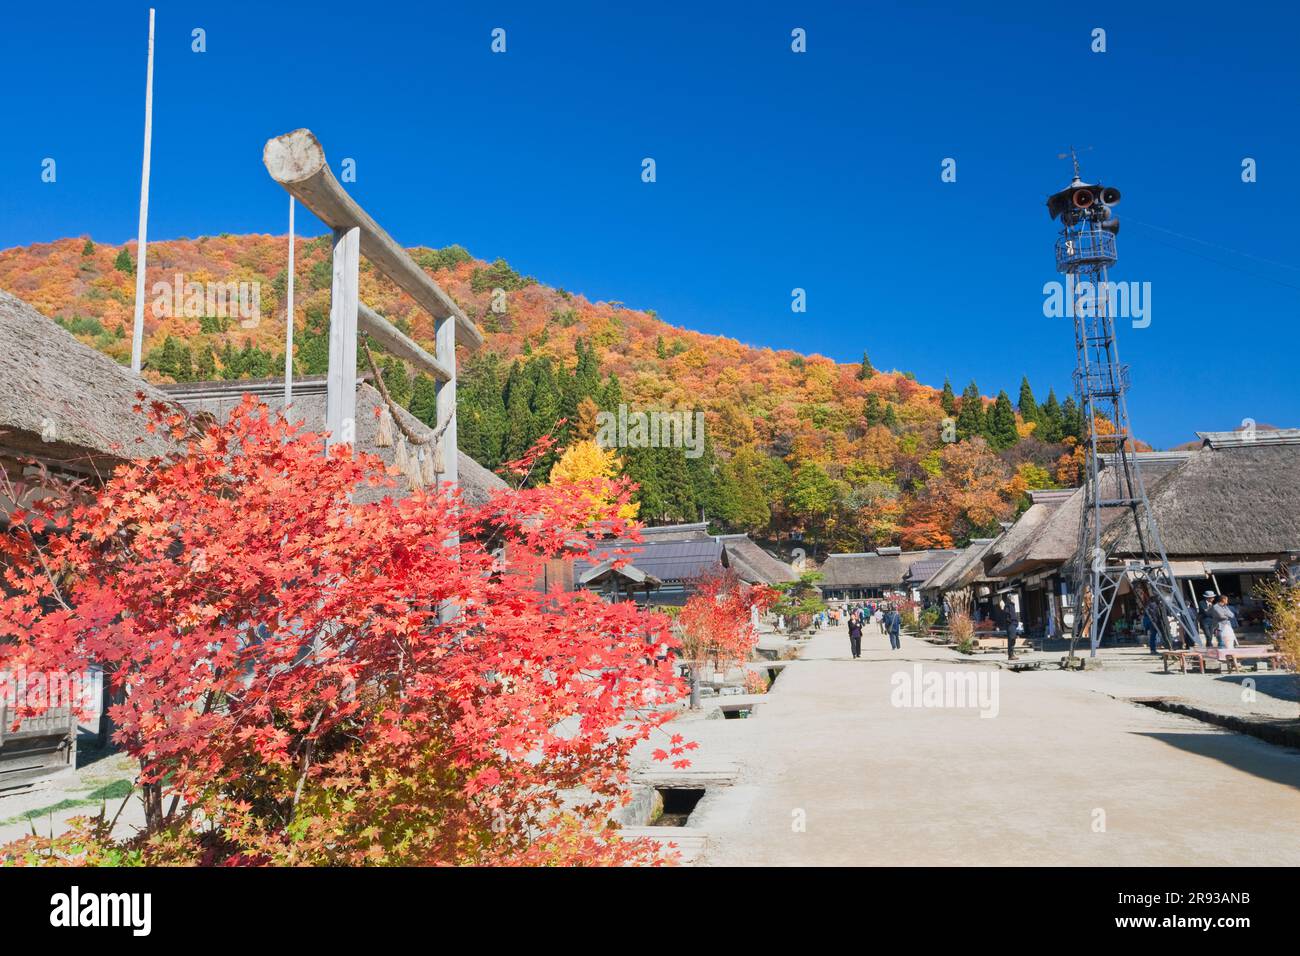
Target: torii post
297, 162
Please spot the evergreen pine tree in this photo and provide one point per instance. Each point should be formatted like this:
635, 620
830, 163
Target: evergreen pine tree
1072, 423
424, 406
1051, 420
546, 400
88, 249
970, 420
890, 419
746, 492
709, 489
519, 435
872, 412
397, 380
313, 342
678, 489
584, 383
545, 406
206, 366
1002, 423
480, 411
642, 466
229, 361
124, 263
1029, 411
611, 395
948, 400
866, 370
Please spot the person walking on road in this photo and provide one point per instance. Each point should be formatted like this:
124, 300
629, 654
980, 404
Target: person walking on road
1011, 621
893, 622
855, 638
1151, 612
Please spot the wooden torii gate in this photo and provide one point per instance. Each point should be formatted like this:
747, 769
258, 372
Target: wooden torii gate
297, 162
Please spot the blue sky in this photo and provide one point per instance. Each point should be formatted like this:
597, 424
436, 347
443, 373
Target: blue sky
775, 170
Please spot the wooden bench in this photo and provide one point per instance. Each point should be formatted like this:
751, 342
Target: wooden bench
1235, 657
1197, 656
1230, 658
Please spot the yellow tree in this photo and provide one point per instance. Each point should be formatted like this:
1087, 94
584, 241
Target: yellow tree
585, 462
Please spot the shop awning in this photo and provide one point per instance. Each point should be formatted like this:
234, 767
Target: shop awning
1240, 567
1203, 569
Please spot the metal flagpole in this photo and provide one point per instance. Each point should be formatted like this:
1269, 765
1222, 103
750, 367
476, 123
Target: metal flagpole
137, 335
288, 321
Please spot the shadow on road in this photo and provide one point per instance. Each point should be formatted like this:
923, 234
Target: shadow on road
1255, 757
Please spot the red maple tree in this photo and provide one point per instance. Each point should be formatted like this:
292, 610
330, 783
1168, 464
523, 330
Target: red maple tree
716, 625
305, 679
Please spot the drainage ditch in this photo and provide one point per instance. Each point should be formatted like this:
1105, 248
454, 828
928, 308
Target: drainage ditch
678, 805
733, 711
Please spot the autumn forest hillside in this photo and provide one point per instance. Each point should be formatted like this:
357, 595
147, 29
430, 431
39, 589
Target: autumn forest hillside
847, 456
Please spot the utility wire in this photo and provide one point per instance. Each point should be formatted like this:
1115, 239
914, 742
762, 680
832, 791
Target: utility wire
1204, 242
1218, 261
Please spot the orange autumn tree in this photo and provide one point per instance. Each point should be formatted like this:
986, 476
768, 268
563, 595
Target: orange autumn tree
305, 679
974, 490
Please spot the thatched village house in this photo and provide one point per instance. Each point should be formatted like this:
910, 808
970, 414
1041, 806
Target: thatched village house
1228, 513
1034, 552
1229, 516
752, 563
1032, 561
883, 573
961, 583
66, 412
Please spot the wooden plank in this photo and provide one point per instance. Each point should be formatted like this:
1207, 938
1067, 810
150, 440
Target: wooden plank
297, 162
446, 401
398, 343
341, 388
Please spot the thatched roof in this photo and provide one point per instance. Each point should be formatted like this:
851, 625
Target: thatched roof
221, 398
1056, 538
1233, 499
964, 568
1011, 550
752, 563
877, 569
1261, 435
80, 399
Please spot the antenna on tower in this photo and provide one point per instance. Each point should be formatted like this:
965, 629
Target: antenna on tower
1113, 484
1073, 155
